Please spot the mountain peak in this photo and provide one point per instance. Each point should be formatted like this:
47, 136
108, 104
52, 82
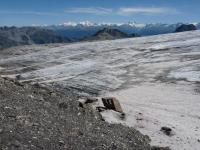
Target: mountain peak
108, 34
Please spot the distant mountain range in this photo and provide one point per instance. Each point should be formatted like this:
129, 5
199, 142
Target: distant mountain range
13, 36
85, 31
76, 31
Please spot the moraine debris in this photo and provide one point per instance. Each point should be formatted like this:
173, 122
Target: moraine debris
87, 100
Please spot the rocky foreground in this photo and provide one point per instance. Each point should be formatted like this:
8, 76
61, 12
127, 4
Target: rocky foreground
34, 117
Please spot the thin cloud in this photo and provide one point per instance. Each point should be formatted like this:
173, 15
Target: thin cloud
146, 10
29, 13
90, 10
98, 11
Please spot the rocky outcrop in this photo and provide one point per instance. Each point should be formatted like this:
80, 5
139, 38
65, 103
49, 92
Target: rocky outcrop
108, 34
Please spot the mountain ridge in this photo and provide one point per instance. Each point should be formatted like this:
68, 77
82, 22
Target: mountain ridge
76, 31
14, 36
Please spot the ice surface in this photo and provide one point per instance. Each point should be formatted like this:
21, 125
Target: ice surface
189, 73
152, 106
156, 79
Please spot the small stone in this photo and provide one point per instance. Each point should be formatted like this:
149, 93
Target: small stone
80, 105
80, 133
160, 148
37, 85
91, 100
168, 131
100, 109
18, 77
31, 96
122, 116
16, 144
198, 140
53, 94
139, 119
36, 124
41, 99
47, 104
114, 146
1, 131
61, 142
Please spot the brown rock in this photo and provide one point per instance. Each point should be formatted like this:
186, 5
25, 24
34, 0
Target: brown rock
112, 103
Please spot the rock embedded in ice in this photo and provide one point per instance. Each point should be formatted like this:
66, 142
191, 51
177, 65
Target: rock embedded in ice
168, 131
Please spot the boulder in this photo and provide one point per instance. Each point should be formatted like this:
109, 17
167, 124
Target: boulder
112, 103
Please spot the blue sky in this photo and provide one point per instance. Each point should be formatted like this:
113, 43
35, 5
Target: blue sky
40, 12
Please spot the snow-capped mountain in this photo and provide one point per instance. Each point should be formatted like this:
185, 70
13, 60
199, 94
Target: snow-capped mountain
80, 30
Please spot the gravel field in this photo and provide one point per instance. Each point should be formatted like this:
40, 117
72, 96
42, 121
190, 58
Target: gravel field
35, 118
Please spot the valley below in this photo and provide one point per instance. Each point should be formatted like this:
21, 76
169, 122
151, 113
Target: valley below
155, 78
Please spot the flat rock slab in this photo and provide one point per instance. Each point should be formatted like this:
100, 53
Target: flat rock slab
112, 103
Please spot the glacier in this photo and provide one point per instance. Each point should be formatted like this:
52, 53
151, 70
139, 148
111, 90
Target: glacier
156, 79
